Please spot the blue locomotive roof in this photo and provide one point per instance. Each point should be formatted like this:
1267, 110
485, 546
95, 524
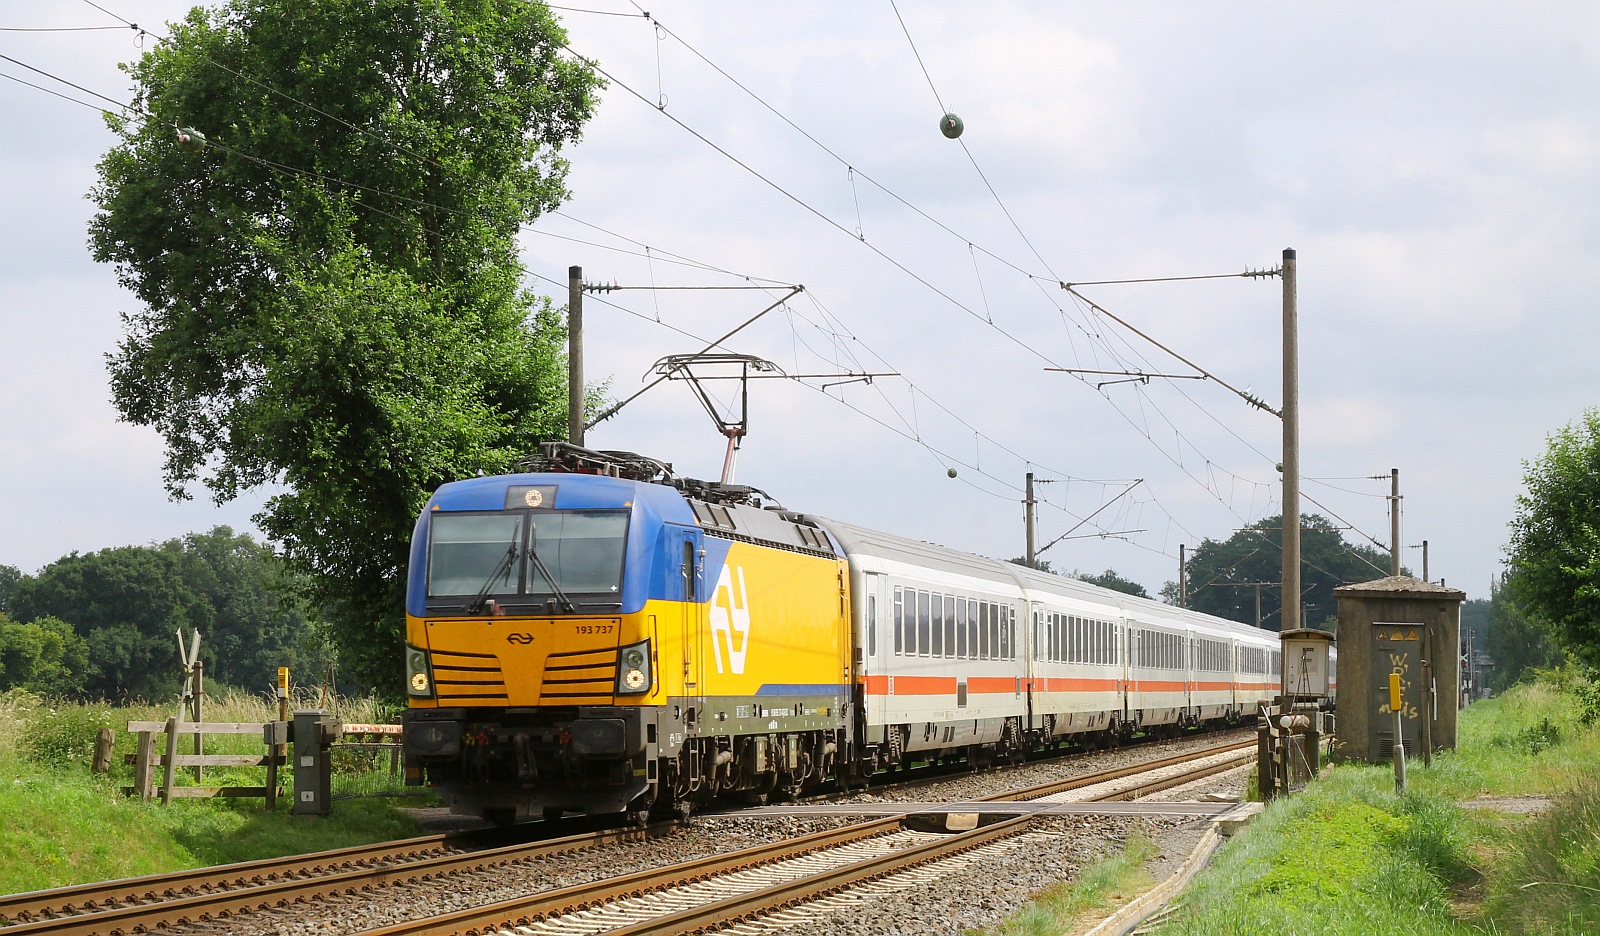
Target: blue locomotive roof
650, 506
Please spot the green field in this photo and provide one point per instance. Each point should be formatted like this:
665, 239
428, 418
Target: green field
64, 825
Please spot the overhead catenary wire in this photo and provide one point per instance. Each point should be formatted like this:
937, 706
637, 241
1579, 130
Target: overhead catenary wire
1030, 349
909, 433
853, 170
985, 317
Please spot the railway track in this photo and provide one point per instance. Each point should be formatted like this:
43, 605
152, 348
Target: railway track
157, 901
740, 888
733, 885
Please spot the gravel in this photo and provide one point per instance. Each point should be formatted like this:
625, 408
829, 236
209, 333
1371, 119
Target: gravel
970, 893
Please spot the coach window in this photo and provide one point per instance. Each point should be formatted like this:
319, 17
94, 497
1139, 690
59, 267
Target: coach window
872, 625
899, 622
961, 628
949, 625
937, 625
924, 623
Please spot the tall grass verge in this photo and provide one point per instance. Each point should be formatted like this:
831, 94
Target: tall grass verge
63, 825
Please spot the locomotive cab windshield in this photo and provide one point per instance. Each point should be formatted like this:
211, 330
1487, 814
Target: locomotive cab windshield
526, 560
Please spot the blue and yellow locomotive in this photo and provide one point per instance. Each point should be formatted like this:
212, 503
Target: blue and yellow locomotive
587, 639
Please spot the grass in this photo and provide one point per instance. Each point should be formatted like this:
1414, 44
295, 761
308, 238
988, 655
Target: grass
1348, 855
64, 825
1104, 885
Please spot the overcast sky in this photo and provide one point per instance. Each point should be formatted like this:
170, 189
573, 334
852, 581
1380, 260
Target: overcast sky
1434, 165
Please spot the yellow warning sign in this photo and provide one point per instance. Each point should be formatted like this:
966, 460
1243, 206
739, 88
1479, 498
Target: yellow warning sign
1394, 632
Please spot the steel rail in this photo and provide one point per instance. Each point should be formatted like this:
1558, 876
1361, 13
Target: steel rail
788, 893
1117, 773
521, 911
61, 901
1167, 783
190, 908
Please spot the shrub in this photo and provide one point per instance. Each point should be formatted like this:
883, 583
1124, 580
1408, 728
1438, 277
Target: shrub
60, 735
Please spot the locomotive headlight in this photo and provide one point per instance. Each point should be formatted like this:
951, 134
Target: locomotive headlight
633, 668
419, 680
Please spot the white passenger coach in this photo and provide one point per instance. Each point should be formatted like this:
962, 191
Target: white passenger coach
958, 651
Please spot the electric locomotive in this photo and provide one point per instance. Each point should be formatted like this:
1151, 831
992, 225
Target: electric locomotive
586, 638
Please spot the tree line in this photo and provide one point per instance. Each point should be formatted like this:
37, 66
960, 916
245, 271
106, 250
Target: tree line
104, 624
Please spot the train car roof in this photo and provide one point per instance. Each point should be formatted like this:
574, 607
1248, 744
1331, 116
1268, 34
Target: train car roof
862, 541
859, 540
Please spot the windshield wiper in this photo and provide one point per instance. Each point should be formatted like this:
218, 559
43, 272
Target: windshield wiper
501, 571
538, 563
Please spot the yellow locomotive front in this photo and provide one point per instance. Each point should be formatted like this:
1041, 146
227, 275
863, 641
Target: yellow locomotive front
531, 639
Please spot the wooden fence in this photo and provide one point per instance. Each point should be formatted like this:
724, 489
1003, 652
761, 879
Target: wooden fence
146, 762
378, 739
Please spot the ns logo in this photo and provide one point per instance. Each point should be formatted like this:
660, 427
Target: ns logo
730, 619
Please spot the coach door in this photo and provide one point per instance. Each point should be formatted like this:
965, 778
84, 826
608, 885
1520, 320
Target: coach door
690, 591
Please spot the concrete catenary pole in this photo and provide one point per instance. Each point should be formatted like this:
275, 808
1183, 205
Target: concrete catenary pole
1028, 503
1183, 580
575, 355
1291, 446
1394, 521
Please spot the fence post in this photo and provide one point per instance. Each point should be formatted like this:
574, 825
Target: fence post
142, 764
199, 692
171, 760
104, 740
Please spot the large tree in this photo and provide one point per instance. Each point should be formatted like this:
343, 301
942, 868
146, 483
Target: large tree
1225, 575
1554, 553
331, 297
